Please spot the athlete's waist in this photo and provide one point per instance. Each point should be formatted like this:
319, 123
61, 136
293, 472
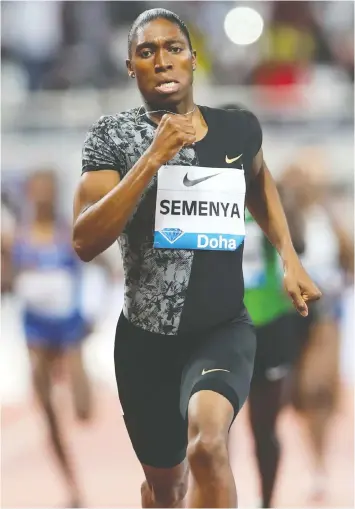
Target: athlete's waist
31, 315
191, 330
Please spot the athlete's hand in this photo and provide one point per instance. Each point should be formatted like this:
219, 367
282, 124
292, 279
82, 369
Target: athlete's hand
173, 133
299, 285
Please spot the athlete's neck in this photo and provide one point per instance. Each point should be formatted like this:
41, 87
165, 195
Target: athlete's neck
44, 217
42, 231
155, 111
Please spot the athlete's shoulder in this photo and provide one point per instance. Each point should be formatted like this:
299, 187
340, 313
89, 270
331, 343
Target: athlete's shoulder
235, 117
237, 112
238, 122
110, 133
107, 141
114, 122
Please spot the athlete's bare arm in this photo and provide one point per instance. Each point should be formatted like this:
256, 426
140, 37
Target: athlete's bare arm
264, 203
7, 265
103, 204
295, 219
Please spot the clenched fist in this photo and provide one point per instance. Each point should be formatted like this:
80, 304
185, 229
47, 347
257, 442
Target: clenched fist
173, 133
299, 286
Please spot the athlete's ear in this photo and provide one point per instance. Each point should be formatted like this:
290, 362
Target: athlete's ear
194, 60
131, 73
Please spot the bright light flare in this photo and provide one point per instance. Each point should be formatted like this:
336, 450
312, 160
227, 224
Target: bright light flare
243, 25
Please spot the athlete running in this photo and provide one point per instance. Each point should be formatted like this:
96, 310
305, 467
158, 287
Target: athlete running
46, 276
273, 317
169, 180
328, 256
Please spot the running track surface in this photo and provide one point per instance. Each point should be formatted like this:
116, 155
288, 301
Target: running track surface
110, 475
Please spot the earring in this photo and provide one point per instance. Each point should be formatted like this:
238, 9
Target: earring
133, 75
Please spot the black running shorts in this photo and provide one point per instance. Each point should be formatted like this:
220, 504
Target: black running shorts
157, 375
277, 348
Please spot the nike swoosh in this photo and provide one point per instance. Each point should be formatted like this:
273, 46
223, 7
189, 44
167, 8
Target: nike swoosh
189, 183
205, 371
230, 161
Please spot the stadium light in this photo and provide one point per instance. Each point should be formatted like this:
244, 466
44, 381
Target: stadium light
243, 25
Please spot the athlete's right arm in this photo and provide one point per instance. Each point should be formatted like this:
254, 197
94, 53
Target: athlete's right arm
104, 203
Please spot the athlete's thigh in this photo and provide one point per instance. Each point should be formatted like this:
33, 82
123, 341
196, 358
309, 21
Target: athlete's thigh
265, 402
276, 349
223, 363
148, 382
41, 356
272, 366
71, 332
319, 364
317, 369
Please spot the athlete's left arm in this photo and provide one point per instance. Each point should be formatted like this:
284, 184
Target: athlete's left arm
263, 202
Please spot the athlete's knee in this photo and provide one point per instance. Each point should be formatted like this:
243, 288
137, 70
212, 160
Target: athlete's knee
81, 388
83, 403
83, 414
164, 493
207, 450
320, 396
164, 487
171, 496
210, 416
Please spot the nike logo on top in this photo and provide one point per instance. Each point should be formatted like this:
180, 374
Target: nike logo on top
189, 183
230, 161
205, 371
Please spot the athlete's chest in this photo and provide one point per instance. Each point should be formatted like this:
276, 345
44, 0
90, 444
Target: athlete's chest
207, 180
214, 151
44, 257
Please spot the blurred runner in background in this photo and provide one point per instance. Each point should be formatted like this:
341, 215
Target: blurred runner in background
40, 265
273, 316
329, 258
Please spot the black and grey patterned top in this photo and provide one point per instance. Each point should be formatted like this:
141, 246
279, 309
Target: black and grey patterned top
171, 291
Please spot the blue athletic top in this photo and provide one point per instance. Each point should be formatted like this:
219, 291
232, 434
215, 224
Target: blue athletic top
49, 275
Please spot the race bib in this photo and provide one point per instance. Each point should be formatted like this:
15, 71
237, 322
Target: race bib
199, 208
254, 267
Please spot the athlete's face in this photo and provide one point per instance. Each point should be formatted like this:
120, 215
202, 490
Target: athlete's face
162, 63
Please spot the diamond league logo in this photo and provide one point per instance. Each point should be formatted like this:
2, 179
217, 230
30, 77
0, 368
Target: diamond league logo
172, 234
